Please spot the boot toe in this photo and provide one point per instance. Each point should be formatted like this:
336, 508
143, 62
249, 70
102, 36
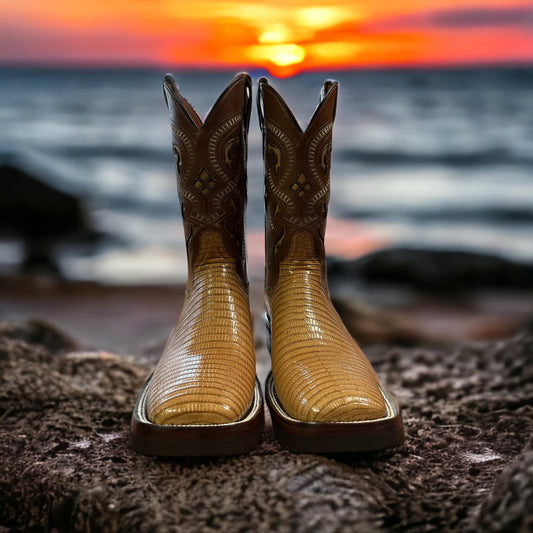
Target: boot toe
195, 413
349, 408
336, 404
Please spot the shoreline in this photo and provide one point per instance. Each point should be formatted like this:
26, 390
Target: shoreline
137, 319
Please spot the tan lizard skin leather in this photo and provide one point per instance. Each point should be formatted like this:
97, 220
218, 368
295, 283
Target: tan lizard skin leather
206, 374
320, 373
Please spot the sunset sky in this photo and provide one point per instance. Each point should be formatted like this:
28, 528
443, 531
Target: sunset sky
285, 36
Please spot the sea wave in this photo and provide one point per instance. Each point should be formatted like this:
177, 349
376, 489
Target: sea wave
129, 152
493, 214
492, 156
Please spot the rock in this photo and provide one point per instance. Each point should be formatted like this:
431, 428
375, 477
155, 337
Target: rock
509, 506
436, 320
66, 464
431, 296
38, 332
437, 271
40, 215
370, 324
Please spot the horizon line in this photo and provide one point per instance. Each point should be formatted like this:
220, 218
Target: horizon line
66, 65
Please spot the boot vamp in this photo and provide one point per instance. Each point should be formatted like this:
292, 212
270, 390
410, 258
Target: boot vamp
320, 373
206, 374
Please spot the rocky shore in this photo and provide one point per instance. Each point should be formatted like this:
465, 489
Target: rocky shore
451, 340
467, 463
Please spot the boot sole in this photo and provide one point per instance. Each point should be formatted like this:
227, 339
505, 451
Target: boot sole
333, 437
196, 440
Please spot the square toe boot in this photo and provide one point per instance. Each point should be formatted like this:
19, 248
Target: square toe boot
203, 397
323, 394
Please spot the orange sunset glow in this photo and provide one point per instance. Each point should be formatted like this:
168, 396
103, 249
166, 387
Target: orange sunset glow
284, 37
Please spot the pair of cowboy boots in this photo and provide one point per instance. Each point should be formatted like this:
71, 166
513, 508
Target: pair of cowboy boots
204, 397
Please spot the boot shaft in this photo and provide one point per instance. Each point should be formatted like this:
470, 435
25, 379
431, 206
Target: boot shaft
210, 161
297, 180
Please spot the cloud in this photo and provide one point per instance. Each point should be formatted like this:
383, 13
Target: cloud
517, 16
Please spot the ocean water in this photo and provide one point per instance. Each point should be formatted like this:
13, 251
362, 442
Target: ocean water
440, 159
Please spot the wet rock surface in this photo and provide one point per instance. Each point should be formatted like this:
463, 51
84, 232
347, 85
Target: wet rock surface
435, 271
40, 215
415, 296
66, 465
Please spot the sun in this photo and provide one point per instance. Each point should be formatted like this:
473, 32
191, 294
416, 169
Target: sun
280, 59
292, 42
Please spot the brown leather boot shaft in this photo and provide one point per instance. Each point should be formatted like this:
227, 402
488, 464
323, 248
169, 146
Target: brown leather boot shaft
211, 168
320, 373
206, 374
297, 166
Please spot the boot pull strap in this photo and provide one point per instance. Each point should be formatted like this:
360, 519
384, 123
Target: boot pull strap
328, 86
247, 104
260, 104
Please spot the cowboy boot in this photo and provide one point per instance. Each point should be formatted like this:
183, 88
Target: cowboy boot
203, 397
323, 393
